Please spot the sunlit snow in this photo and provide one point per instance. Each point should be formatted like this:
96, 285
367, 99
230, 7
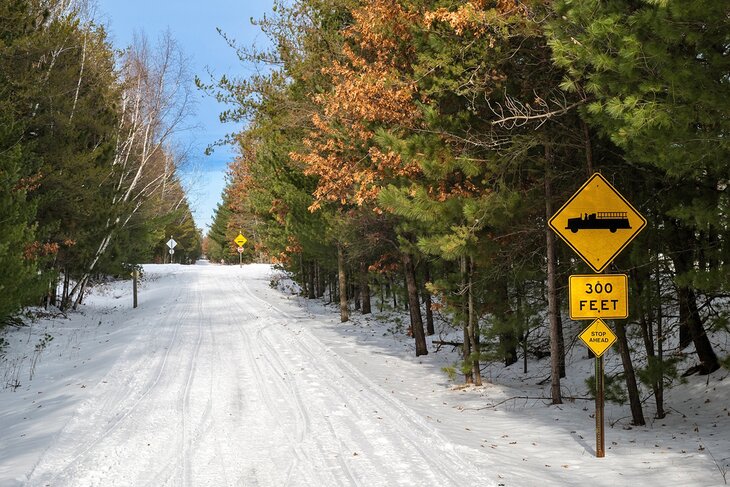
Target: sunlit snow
218, 379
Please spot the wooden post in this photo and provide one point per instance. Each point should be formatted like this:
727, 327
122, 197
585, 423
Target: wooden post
135, 274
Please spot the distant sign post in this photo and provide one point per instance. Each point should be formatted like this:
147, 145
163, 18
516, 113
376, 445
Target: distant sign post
240, 240
598, 223
171, 244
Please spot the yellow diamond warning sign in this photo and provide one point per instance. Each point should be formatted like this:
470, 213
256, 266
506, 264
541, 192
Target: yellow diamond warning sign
240, 240
597, 222
598, 337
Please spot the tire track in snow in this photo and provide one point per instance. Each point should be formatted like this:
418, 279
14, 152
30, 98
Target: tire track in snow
439, 456
110, 407
185, 405
254, 398
282, 388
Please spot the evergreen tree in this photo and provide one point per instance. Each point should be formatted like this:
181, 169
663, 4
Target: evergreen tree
19, 249
656, 74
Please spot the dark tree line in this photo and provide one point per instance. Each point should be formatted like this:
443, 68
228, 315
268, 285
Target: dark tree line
88, 182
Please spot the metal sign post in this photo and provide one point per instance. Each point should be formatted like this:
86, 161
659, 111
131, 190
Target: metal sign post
598, 337
240, 240
171, 244
597, 222
600, 426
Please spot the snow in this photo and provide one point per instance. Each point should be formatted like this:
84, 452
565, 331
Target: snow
218, 379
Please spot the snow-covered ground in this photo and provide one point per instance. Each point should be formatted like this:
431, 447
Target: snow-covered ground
219, 380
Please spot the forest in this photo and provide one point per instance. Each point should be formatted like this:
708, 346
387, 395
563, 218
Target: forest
414, 150
89, 183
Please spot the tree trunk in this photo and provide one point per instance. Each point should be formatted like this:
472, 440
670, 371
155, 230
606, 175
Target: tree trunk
466, 349
634, 400
502, 310
689, 316
473, 328
355, 287
414, 307
304, 281
692, 320
561, 338
427, 299
321, 283
365, 289
312, 294
65, 298
344, 313
391, 286
381, 289
552, 290
660, 344
525, 329
645, 307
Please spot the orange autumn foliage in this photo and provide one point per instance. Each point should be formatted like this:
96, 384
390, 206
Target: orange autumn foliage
476, 16
368, 91
37, 249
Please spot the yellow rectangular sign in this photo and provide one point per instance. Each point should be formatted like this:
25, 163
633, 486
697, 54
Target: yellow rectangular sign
599, 296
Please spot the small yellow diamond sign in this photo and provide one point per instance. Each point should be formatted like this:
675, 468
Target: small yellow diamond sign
597, 222
598, 337
240, 240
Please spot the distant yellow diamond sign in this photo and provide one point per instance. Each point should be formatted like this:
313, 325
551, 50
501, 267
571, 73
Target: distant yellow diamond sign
597, 222
598, 337
240, 240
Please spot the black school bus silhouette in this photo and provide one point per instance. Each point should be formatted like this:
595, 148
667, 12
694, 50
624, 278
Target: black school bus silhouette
601, 220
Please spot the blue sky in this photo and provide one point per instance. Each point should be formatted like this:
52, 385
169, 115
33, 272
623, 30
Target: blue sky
193, 25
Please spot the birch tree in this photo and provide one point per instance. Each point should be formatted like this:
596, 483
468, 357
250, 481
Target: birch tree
154, 104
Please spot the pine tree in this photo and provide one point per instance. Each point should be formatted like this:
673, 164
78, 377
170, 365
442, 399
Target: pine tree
656, 75
19, 249
19, 284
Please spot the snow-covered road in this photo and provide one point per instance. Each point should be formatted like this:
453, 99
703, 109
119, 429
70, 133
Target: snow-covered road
218, 379
216, 386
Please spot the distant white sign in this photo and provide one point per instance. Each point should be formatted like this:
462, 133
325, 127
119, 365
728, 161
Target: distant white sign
171, 243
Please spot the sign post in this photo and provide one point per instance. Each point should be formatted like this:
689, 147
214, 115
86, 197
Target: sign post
135, 276
598, 223
240, 240
171, 244
598, 337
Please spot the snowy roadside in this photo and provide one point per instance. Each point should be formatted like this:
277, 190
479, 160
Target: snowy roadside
526, 440
48, 367
522, 442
